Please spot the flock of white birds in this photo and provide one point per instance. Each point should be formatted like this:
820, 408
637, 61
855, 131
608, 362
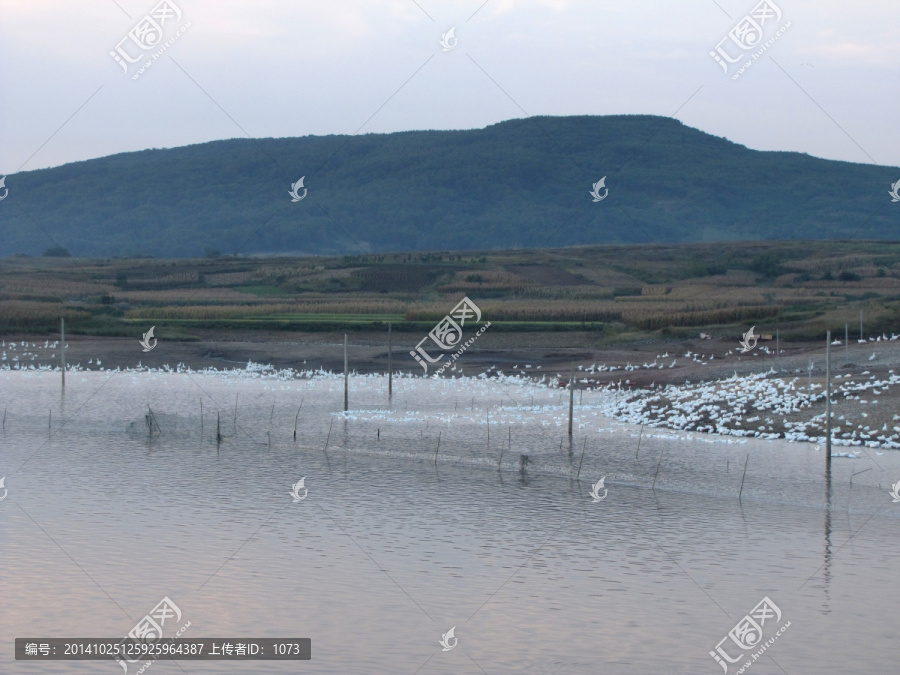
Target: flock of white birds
763, 405
766, 407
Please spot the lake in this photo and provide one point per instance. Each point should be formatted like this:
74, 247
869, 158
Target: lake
413, 524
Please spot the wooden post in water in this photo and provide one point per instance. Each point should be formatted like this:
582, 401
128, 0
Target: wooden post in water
62, 351
777, 348
828, 402
390, 362
571, 397
328, 437
583, 446
657, 468
743, 476
296, 417
846, 342
860, 325
346, 374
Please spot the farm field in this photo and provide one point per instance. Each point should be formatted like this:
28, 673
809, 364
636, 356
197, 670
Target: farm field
618, 295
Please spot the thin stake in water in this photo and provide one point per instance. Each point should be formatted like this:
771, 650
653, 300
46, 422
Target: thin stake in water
571, 397
346, 374
743, 476
657, 468
583, 446
828, 401
328, 436
297, 416
846, 341
777, 349
438, 448
62, 350
640, 435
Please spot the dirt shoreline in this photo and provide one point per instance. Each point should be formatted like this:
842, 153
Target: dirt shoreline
545, 353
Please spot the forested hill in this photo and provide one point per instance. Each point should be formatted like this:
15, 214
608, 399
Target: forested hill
520, 183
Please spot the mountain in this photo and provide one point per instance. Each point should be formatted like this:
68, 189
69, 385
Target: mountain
517, 184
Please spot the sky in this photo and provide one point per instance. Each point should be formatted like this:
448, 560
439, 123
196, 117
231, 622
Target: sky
827, 84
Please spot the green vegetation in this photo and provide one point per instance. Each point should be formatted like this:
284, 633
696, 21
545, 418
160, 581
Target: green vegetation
618, 292
515, 185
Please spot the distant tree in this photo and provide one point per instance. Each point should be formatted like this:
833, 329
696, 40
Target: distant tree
848, 276
57, 252
768, 264
213, 253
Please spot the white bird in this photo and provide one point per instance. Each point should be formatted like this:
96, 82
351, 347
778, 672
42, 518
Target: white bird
872, 358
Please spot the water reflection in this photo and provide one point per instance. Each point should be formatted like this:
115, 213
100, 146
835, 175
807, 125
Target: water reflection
826, 571
537, 580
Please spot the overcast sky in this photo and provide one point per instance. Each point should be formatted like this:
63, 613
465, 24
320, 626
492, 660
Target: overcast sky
829, 85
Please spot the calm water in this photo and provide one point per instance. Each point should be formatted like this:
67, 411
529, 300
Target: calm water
391, 548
